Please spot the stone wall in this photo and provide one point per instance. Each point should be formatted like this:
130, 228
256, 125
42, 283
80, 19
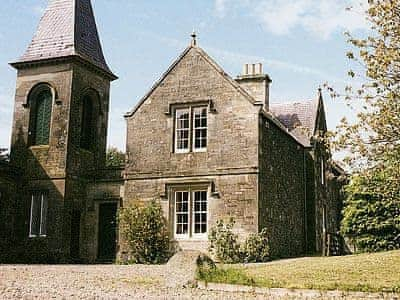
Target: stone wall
107, 187
229, 196
229, 166
232, 125
282, 190
9, 191
62, 168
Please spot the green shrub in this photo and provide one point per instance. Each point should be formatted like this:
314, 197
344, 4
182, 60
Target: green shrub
256, 248
371, 220
224, 245
145, 230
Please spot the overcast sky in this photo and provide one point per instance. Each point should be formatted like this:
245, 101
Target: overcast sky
300, 43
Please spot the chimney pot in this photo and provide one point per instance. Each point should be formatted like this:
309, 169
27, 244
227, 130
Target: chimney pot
255, 82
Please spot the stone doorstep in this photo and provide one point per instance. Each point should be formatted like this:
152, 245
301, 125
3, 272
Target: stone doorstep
295, 293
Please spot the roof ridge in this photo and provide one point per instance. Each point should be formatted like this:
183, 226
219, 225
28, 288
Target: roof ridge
292, 102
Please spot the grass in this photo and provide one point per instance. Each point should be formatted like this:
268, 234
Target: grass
377, 272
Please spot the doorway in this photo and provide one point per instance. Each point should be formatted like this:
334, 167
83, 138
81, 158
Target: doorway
107, 232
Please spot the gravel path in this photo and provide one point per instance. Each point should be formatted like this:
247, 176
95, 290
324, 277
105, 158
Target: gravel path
96, 282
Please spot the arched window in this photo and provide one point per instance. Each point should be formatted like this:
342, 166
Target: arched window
41, 107
87, 123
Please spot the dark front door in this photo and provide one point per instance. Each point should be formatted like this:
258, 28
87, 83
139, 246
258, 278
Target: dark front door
75, 234
107, 231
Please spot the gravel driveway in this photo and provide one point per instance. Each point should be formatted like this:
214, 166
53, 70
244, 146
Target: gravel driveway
96, 282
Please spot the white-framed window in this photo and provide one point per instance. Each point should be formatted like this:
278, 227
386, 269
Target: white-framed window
199, 224
191, 129
191, 213
182, 130
38, 216
200, 129
182, 212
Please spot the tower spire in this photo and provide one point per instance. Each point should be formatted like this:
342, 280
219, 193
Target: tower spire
66, 29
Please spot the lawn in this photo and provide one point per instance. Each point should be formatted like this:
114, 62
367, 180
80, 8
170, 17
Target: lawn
378, 272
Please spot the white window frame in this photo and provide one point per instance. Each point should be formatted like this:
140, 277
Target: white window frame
195, 109
190, 235
181, 235
43, 215
192, 223
191, 130
181, 110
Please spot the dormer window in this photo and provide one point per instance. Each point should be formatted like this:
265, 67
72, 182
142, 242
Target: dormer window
191, 129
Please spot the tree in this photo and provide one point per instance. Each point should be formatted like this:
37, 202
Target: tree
373, 141
4, 156
114, 158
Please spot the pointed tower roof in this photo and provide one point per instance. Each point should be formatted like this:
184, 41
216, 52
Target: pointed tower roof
67, 29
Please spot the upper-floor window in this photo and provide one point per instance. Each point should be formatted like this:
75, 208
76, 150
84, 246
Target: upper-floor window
87, 123
38, 217
322, 171
191, 129
41, 107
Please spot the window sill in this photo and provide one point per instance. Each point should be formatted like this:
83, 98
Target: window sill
190, 152
37, 237
39, 147
200, 150
202, 238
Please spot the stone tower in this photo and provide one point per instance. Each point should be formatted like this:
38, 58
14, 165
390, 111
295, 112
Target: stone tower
60, 127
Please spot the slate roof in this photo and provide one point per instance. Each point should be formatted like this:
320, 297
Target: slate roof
67, 28
298, 117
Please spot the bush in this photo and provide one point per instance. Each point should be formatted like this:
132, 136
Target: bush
145, 230
256, 247
224, 245
371, 220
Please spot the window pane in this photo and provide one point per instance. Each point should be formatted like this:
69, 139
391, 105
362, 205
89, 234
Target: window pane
200, 128
35, 215
182, 212
200, 212
182, 129
87, 124
42, 118
43, 221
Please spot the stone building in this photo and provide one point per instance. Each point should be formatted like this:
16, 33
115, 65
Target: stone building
205, 145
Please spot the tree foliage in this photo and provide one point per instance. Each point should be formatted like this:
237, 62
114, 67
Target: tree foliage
145, 230
4, 156
372, 143
114, 158
371, 221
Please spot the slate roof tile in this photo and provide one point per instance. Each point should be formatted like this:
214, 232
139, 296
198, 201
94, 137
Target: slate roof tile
298, 117
67, 28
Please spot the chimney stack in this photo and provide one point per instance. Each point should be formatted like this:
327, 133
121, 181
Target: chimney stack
256, 83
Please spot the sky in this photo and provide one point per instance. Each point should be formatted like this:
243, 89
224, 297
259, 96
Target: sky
300, 43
